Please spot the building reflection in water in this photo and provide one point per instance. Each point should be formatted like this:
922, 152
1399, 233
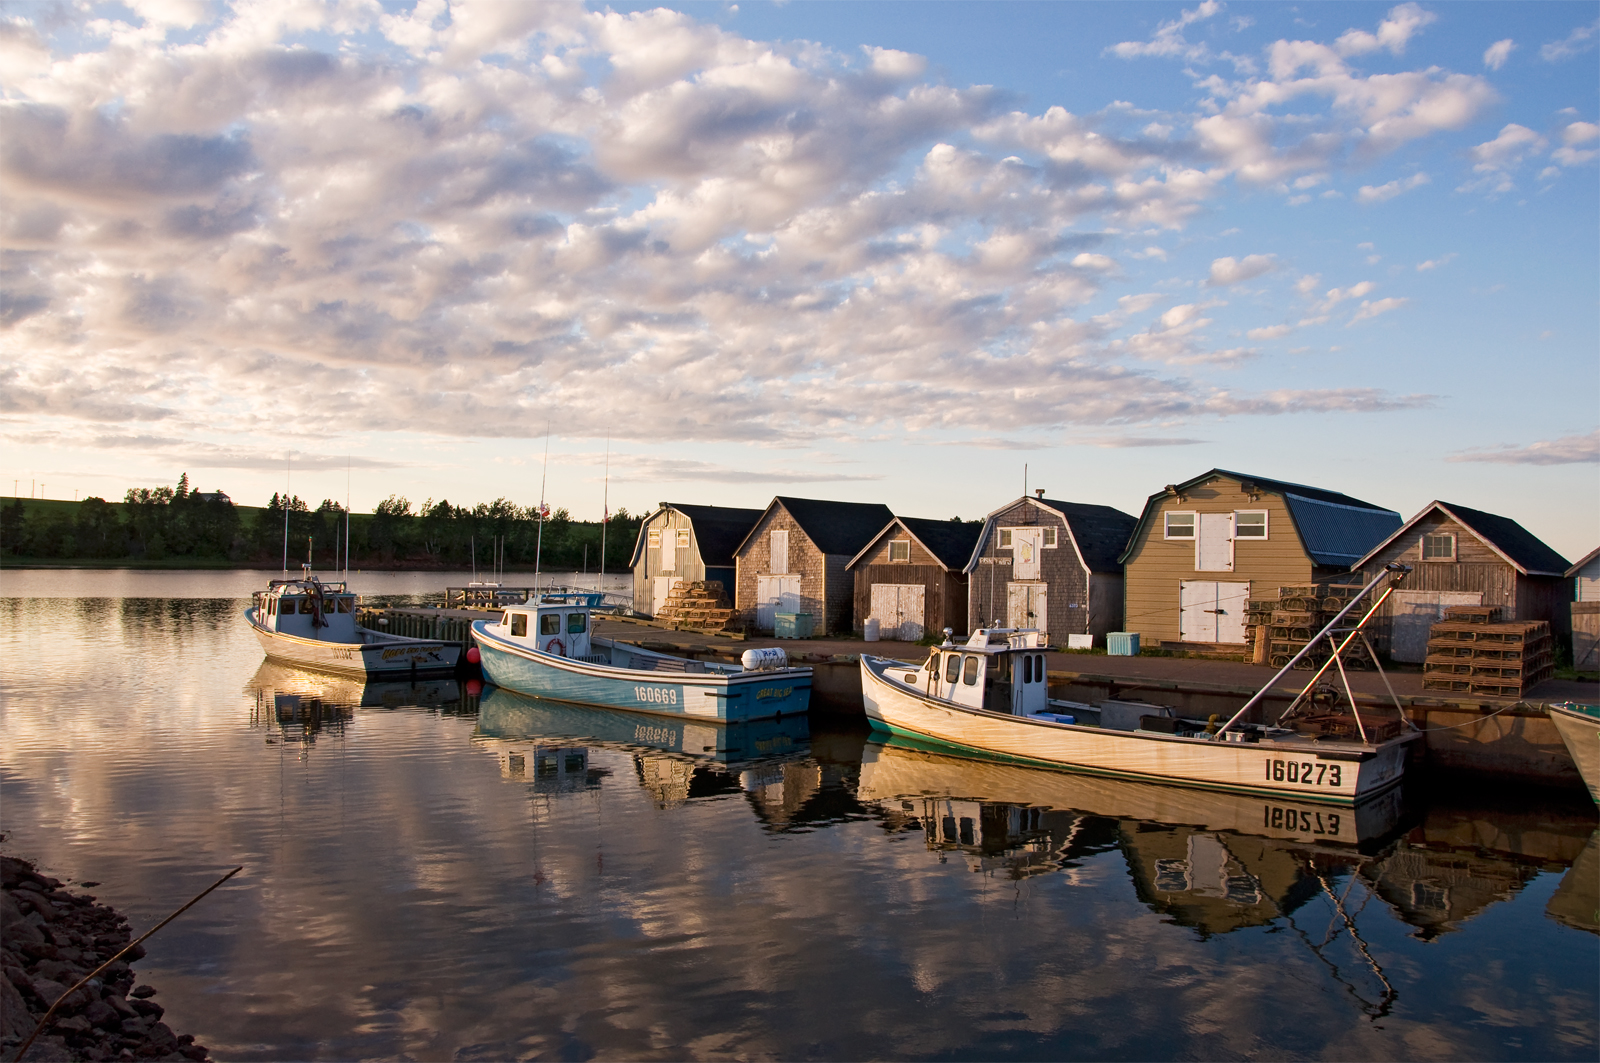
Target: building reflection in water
297, 705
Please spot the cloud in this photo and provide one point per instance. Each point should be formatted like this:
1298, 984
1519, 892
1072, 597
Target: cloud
1385, 192
1575, 133
1496, 159
1271, 332
1568, 450
1228, 271
1577, 42
1122, 442
1168, 41
1435, 263
1393, 32
1372, 309
1495, 56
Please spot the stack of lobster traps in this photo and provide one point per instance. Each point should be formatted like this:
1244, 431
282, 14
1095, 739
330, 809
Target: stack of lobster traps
1471, 651
1292, 619
701, 605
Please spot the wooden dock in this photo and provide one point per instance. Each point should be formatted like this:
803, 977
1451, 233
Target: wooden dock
424, 622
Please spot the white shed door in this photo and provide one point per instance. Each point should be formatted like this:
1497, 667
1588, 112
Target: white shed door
1026, 606
775, 594
1213, 545
1025, 543
1413, 615
660, 590
898, 608
779, 562
668, 558
1211, 612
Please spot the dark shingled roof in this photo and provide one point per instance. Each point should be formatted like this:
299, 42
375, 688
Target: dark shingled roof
1100, 532
1524, 549
1335, 529
719, 530
836, 527
948, 540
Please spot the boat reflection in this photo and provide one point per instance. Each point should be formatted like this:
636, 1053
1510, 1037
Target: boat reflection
1576, 902
675, 760
301, 704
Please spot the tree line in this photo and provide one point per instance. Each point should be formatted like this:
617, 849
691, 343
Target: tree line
181, 524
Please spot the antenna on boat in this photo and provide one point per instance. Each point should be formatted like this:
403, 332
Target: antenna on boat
347, 517
474, 541
605, 516
287, 460
538, 550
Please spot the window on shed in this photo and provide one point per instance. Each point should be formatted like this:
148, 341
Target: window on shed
683, 536
654, 540
1180, 525
1049, 536
519, 625
550, 624
1250, 524
1440, 546
1005, 539
899, 549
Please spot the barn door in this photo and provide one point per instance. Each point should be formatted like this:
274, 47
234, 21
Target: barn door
913, 599
1412, 615
1213, 545
660, 589
788, 594
1025, 606
767, 590
1025, 543
1211, 612
898, 608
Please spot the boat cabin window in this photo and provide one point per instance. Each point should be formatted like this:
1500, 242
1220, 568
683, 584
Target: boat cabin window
1027, 668
519, 625
286, 606
952, 667
933, 664
344, 604
550, 624
969, 674
577, 623
272, 606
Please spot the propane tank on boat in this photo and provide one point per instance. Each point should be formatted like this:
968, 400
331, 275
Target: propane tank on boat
764, 660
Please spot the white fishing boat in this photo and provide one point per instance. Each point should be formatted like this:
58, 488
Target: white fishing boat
547, 648
1580, 730
312, 624
990, 694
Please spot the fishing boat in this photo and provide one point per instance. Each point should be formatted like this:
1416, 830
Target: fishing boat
312, 624
990, 695
547, 648
1580, 730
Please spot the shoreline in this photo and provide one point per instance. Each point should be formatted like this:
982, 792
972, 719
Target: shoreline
52, 937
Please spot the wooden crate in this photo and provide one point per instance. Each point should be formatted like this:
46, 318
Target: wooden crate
1472, 614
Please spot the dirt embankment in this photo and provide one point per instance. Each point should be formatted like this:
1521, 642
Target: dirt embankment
49, 939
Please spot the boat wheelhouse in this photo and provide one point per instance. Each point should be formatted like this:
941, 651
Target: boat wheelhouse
990, 696
312, 624
548, 649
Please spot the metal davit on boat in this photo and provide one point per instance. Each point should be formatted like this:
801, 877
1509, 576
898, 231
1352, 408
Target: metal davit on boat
989, 695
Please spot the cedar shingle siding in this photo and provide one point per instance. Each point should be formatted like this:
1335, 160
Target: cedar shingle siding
822, 538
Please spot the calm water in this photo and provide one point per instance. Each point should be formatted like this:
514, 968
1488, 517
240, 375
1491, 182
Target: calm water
432, 875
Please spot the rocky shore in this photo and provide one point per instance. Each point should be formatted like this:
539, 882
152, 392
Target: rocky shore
49, 939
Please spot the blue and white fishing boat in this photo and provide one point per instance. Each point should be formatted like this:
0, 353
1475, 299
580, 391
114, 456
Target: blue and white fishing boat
310, 623
547, 648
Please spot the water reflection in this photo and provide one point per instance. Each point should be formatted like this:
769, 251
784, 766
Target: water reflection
300, 704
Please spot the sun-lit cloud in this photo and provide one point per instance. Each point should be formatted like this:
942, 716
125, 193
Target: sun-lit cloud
1229, 271
1495, 56
1384, 192
1567, 450
1578, 41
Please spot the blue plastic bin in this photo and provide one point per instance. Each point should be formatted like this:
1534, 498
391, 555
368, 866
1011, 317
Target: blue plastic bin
1122, 644
791, 625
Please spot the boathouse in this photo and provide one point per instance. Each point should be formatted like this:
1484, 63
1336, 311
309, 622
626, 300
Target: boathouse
796, 560
912, 577
1052, 565
1204, 547
689, 543
1462, 556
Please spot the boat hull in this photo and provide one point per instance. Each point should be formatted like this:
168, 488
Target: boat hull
731, 698
1339, 773
384, 656
1581, 732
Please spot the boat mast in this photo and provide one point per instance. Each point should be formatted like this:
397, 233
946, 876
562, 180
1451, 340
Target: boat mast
538, 550
605, 516
287, 459
347, 517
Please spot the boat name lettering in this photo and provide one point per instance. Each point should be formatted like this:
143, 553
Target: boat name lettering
774, 692
1300, 820
1305, 772
657, 695
656, 736
390, 655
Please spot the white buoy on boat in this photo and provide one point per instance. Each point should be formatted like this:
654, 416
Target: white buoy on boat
764, 660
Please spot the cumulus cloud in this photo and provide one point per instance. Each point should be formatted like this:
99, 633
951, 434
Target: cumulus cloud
1573, 135
1227, 271
1577, 42
1495, 56
1394, 32
1568, 450
1271, 332
1435, 263
1385, 192
508, 209
1495, 160
1375, 307
1168, 41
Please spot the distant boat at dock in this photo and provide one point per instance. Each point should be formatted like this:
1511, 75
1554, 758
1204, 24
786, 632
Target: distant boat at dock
312, 624
547, 649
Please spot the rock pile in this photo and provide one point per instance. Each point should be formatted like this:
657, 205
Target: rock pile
49, 939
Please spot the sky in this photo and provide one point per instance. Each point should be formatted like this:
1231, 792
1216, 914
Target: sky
917, 254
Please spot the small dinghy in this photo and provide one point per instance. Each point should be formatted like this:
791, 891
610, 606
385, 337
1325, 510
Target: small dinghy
312, 624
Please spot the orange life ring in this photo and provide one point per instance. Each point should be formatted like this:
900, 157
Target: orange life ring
557, 647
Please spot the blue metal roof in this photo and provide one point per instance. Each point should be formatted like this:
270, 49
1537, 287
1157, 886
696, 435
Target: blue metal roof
1338, 535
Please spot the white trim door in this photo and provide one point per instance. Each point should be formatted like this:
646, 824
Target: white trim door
898, 608
1027, 606
775, 594
1412, 615
1212, 612
660, 590
1025, 546
778, 540
1213, 544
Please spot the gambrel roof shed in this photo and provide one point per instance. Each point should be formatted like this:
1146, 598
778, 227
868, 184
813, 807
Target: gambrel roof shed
718, 530
1335, 529
1516, 545
1099, 534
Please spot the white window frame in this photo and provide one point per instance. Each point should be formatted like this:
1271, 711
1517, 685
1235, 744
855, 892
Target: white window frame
683, 537
1194, 526
1050, 538
1422, 545
1004, 542
1266, 525
653, 540
906, 545
778, 566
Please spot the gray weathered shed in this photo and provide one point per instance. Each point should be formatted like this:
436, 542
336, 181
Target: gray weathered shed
912, 576
689, 543
796, 560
